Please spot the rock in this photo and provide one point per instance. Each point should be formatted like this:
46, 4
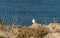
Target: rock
35, 25
6, 34
54, 27
52, 35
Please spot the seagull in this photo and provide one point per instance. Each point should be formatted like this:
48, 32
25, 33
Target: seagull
34, 21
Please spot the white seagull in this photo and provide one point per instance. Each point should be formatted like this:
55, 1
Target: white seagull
34, 21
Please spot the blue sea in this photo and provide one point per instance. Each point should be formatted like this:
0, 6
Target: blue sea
21, 12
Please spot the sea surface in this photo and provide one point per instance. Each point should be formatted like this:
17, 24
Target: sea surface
21, 12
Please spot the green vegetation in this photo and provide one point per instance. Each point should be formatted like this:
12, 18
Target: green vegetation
1, 22
2, 37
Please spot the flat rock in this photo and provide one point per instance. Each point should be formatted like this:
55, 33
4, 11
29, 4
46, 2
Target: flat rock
52, 35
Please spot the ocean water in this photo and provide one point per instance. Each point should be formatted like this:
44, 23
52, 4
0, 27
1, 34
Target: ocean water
21, 12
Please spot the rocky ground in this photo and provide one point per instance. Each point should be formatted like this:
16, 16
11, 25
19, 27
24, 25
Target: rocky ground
51, 31
7, 34
52, 35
